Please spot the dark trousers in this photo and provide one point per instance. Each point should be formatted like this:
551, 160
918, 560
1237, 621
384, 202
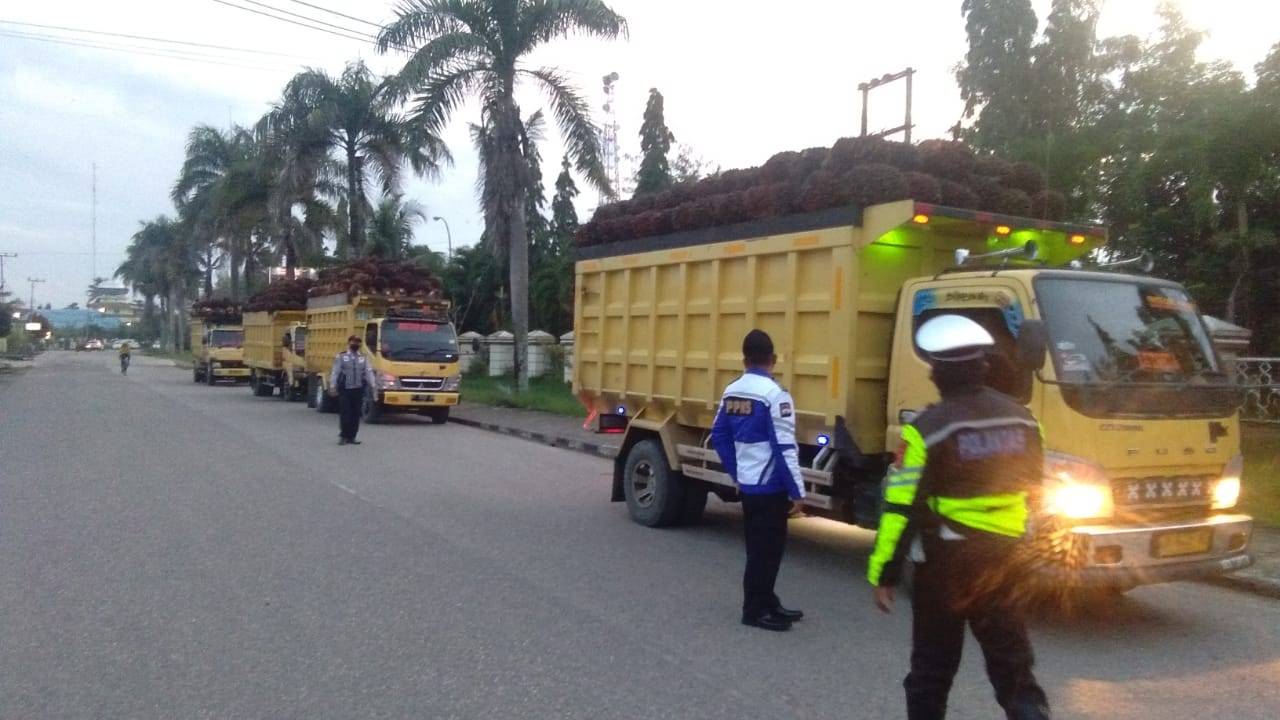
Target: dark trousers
349, 403
961, 581
764, 519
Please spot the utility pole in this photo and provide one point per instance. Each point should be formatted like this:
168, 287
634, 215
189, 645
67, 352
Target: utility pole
866, 88
32, 307
4, 255
609, 139
93, 228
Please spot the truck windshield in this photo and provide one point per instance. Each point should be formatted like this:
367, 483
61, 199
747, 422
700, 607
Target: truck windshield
226, 338
418, 340
1124, 347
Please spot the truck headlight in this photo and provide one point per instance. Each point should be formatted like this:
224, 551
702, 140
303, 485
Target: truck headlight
452, 383
387, 381
1076, 488
1226, 492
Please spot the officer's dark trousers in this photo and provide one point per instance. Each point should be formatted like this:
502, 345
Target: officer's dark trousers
349, 402
764, 518
959, 583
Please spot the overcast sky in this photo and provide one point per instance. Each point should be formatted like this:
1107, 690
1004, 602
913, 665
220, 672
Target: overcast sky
741, 82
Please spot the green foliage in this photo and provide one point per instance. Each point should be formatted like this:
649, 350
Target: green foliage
654, 175
1176, 155
547, 394
6, 319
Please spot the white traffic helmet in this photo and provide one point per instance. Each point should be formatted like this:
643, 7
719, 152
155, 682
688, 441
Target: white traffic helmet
953, 338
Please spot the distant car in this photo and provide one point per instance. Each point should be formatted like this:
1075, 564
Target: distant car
94, 345
116, 344
133, 344
155, 345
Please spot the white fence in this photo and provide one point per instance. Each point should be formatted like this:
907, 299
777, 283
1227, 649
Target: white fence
1259, 377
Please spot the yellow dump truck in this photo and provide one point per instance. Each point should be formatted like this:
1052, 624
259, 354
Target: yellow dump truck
266, 335
218, 352
1139, 417
411, 345
294, 361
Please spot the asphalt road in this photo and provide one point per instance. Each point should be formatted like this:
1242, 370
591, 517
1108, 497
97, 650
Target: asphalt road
170, 550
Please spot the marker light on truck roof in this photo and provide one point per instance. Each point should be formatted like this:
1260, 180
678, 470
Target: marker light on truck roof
1077, 239
1003, 229
920, 219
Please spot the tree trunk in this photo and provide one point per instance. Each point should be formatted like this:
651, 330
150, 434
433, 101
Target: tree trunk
166, 340
519, 250
235, 256
355, 202
290, 254
208, 271
180, 318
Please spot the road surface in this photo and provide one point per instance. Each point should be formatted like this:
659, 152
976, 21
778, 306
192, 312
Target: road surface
170, 550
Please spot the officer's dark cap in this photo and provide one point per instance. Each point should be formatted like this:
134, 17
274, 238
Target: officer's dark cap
757, 347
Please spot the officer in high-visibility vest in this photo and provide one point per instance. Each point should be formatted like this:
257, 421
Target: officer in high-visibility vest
956, 502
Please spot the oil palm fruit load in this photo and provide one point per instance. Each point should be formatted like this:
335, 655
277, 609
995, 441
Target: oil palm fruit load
217, 311
281, 295
376, 276
854, 172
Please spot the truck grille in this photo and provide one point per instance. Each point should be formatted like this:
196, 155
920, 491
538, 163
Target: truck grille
1151, 492
421, 383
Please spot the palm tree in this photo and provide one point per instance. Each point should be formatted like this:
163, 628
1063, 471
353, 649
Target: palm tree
160, 260
467, 48
356, 114
391, 227
224, 179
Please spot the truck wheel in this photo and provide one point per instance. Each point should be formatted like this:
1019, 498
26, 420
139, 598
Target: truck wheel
286, 387
209, 376
371, 410
260, 388
655, 493
310, 393
195, 374
319, 398
439, 416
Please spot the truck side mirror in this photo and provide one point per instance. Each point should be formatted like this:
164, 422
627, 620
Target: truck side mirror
1033, 344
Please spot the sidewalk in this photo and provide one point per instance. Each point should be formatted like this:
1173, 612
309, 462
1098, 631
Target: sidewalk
1263, 577
546, 428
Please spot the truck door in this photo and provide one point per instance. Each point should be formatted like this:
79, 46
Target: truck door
371, 338
997, 304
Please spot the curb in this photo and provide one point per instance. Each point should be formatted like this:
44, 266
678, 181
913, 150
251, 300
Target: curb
588, 448
1246, 583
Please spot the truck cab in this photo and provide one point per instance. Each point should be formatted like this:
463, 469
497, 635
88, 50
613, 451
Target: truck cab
414, 354
220, 355
1142, 438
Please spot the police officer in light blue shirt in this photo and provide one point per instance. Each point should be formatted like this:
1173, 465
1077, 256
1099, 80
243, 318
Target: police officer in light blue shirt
754, 435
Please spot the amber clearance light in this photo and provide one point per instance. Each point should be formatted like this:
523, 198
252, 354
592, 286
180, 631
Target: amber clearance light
1077, 239
1003, 229
920, 219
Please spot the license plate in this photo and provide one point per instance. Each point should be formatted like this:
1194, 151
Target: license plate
424, 398
1183, 542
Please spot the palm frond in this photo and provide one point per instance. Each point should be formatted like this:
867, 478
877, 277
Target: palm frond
442, 95
573, 116
544, 20
420, 20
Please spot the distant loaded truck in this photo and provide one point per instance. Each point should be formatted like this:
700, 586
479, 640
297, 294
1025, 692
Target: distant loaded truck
411, 345
1139, 415
217, 350
267, 339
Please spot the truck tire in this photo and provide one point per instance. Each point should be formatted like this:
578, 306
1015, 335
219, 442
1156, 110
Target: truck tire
286, 387
260, 388
319, 398
209, 377
310, 393
439, 416
655, 493
371, 411
195, 373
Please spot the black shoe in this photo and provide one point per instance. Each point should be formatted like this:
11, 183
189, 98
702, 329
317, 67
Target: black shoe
792, 615
343, 441
768, 621
354, 442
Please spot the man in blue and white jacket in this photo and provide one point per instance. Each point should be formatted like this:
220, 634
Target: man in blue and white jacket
755, 436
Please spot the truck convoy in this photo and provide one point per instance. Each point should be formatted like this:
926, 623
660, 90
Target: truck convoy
293, 329
1138, 415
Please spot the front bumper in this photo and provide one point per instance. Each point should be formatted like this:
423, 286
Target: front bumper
418, 398
1124, 556
231, 372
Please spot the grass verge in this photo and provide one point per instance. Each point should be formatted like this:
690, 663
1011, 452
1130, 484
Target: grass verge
183, 359
1260, 495
545, 393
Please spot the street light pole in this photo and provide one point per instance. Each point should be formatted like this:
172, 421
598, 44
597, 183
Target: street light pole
447, 233
4, 255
